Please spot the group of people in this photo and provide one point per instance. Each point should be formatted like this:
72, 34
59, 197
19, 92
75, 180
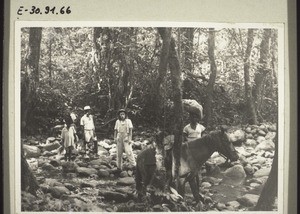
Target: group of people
122, 134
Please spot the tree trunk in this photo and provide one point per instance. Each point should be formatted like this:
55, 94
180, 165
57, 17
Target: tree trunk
162, 70
28, 180
270, 190
263, 70
178, 109
188, 48
212, 78
50, 62
251, 113
31, 77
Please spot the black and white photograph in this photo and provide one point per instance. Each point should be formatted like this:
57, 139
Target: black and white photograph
149, 117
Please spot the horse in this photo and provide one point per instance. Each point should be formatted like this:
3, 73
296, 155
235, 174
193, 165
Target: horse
193, 155
196, 152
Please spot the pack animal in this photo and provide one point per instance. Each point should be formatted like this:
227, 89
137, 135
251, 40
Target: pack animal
193, 155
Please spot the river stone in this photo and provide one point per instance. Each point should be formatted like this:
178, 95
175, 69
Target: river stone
266, 145
102, 151
104, 144
85, 172
248, 130
52, 182
102, 173
254, 185
236, 171
249, 169
251, 143
58, 191
126, 181
263, 127
258, 160
237, 136
123, 174
51, 146
113, 150
272, 127
71, 175
262, 172
212, 180
33, 163
205, 185
49, 168
269, 154
113, 195
31, 151
69, 167
270, 135
96, 162
82, 164
248, 200
70, 187
55, 162
220, 206
261, 133
260, 139
234, 204
91, 184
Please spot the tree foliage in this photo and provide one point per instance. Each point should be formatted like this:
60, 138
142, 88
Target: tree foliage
113, 67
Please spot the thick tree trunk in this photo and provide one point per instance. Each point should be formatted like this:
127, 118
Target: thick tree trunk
178, 108
165, 34
263, 70
188, 48
212, 78
31, 77
251, 113
28, 180
270, 190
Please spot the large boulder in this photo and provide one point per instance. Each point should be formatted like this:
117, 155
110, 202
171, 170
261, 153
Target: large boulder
69, 167
248, 200
85, 172
251, 143
33, 163
267, 145
113, 195
58, 191
31, 151
236, 171
102, 173
262, 172
126, 181
270, 135
51, 146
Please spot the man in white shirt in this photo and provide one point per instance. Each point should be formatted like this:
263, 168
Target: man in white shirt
87, 124
194, 129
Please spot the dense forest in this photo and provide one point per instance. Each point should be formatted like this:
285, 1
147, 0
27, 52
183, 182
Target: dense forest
231, 72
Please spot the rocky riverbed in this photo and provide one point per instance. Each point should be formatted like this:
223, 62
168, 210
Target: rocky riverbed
93, 183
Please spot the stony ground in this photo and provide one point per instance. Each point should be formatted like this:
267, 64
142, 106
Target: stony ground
92, 183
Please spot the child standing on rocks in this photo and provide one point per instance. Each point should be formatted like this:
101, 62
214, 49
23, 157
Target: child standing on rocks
123, 138
69, 137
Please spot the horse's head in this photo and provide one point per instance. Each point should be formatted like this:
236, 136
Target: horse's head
224, 146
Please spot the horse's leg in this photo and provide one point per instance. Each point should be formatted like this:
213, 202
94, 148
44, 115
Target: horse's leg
181, 186
139, 182
194, 184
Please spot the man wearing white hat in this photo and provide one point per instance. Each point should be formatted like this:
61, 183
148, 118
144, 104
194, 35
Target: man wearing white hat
87, 124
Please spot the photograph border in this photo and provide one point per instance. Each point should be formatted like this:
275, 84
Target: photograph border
282, 136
